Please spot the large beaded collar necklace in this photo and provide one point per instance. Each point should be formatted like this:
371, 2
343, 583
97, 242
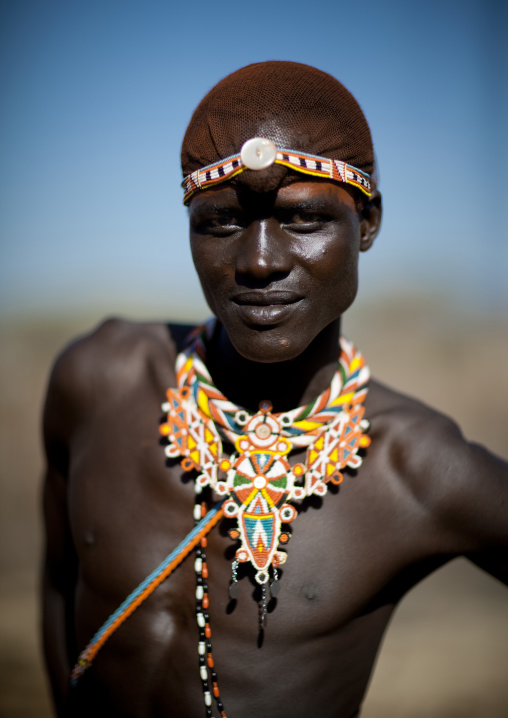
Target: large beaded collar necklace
256, 485
257, 480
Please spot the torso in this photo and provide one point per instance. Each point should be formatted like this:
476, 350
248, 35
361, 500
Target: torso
351, 557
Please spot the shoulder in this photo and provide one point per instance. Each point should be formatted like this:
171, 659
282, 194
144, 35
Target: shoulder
451, 480
415, 442
412, 428
101, 352
116, 354
118, 342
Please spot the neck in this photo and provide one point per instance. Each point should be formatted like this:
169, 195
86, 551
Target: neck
286, 385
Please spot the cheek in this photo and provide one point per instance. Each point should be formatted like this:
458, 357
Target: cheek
346, 263
334, 266
211, 267
342, 288
336, 278
199, 253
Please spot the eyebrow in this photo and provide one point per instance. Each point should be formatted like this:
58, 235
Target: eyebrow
314, 204
209, 207
305, 204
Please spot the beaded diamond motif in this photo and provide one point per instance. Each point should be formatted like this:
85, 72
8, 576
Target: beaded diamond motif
257, 479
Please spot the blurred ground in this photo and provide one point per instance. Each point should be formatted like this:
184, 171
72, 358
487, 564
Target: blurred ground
446, 654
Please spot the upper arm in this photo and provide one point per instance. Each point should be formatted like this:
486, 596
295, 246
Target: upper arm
60, 565
59, 420
483, 511
462, 486
473, 494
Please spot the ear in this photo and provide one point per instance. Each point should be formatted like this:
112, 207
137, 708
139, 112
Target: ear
370, 220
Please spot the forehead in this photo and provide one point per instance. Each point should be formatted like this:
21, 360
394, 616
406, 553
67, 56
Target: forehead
315, 194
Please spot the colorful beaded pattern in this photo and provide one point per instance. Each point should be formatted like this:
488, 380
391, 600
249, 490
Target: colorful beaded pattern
303, 162
257, 479
146, 588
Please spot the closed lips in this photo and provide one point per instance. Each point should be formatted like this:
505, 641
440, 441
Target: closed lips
266, 299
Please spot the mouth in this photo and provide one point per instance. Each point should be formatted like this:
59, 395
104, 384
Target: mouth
266, 299
266, 308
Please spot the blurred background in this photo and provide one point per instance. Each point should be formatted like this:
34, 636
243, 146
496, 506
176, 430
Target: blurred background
96, 96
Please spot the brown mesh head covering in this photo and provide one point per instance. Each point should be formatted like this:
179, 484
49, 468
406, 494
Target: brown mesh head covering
296, 106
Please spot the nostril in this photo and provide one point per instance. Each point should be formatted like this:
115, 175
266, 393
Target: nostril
257, 280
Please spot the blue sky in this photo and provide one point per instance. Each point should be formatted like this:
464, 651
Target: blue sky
96, 96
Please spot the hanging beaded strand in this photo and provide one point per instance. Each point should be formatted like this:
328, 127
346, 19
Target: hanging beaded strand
206, 662
263, 607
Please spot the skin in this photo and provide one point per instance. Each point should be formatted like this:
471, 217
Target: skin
278, 269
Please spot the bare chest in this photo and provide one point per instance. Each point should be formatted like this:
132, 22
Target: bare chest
130, 506
129, 509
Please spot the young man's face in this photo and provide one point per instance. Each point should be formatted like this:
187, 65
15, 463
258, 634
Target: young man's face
277, 267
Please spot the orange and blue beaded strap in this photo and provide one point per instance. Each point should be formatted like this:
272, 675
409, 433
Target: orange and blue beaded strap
146, 588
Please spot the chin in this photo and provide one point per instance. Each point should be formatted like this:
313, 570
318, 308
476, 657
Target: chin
269, 345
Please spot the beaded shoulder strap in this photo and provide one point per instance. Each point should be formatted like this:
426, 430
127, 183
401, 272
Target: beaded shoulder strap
146, 588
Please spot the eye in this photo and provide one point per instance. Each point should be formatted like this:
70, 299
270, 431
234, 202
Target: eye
218, 225
303, 221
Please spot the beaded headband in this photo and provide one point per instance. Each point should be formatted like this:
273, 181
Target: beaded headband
259, 153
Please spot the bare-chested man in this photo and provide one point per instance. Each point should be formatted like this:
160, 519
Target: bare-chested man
282, 198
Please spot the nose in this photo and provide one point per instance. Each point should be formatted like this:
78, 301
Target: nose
263, 253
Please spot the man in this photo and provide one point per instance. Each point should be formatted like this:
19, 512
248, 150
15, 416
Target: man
261, 425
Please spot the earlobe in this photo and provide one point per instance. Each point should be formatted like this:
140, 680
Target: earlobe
370, 223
